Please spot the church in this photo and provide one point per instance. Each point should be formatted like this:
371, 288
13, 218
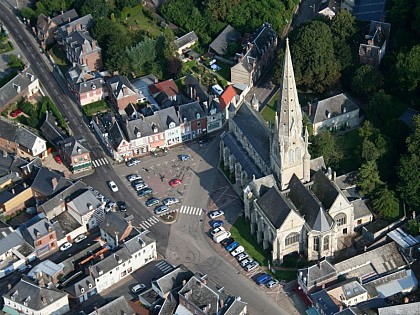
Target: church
292, 202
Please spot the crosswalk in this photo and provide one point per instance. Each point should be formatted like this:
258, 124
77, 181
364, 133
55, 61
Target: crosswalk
164, 266
146, 224
190, 210
100, 162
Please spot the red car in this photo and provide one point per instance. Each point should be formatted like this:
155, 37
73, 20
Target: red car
58, 159
16, 113
175, 182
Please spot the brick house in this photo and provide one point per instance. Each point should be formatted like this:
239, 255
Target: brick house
121, 92
75, 155
193, 121
42, 236
168, 87
373, 51
81, 48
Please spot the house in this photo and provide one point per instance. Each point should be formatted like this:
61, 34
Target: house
81, 48
184, 42
118, 306
220, 44
401, 309
25, 84
172, 281
51, 131
373, 51
47, 183
46, 26
41, 236
47, 272
407, 243
142, 88
201, 296
86, 209
115, 229
102, 124
400, 282
67, 227
335, 113
127, 258
28, 298
82, 24
214, 115
228, 101
193, 121
121, 92
168, 87
256, 55
316, 276
75, 155
81, 288
85, 86
329, 8
195, 90
121, 149
14, 197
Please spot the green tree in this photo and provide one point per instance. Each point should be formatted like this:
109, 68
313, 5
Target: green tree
50, 7
307, 124
174, 67
141, 56
381, 109
413, 227
343, 26
98, 8
374, 145
387, 204
368, 178
366, 81
315, 65
407, 69
15, 62
115, 57
324, 144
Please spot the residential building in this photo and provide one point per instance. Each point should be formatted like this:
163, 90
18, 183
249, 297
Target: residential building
47, 272
257, 54
82, 24
121, 148
335, 113
81, 288
401, 309
75, 155
196, 91
194, 121
67, 228
115, 229
121, 92
28, 298
220, 44
118, 306
142, 88
311, 279
14, 197
172, 281
25, 84
81, 48
201, 296
47, 183
400, 282
374, 50
51, 131
102, 124
228, 101
168, 87
46, 26
184, 42
86, 209
214, 115
407, 243
41, 236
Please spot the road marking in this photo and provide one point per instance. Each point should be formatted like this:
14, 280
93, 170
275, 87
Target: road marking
100, 162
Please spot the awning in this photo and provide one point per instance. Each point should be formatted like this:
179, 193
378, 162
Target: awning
10, 310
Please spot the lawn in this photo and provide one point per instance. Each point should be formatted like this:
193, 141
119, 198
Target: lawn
269, 110
5, 46
350, 144
135, 20
242, 234
95, 107
60, 58
286, 275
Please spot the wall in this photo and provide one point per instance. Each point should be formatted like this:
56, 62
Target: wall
17, 203
59, 307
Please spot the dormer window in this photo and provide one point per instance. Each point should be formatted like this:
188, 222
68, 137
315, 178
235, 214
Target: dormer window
198, 115
138, 135
154, 128
172, 125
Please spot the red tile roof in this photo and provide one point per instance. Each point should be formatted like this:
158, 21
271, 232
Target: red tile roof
169, 87
227, 96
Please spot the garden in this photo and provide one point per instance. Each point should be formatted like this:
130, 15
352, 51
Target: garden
95, 108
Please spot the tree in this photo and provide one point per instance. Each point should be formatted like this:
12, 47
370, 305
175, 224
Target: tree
315, 65
368, 178
366, 81
98, 8
50, 7
141, 56
407, 69
15, 62
374, 145
115, 57
381, 109
174, 67
324, 144
413, 227
307, 124
343, 26
387, 204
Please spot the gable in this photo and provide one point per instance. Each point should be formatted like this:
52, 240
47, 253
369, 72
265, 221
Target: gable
293, 220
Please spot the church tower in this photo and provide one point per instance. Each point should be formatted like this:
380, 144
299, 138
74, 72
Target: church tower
289, 150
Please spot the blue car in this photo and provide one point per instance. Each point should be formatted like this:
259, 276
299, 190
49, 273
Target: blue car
216, 223
232, 246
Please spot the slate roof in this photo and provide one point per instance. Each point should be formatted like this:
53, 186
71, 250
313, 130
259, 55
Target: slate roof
26, 291
40, 228
221, 42
85, 22
401, 309
200, 90
82, 202
18, 134
71, 146
48, 267
77, 40
173, 279
241, 155
255, 130
119, 306
334, 106
324, 189
325, 302
120, 87
190, 112
43, 182
116, 135
360, 209
51, 131
275, 206
75, 287
168, 86
185, 39
16, 86
113, 224
333, 5
65, 17
168, 116
10, 241
79, 73
318, 273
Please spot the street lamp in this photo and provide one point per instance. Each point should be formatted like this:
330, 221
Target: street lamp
313, 7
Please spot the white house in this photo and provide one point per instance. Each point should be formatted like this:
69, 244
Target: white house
87, 209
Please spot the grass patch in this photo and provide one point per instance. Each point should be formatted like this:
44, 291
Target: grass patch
95, 108
269, 110
286, 275
188, 66
242, 234
5, 47
224, 71
350, 144
134, 20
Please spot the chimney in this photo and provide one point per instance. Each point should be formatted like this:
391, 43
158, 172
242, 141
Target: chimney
341, 307
69, 29
112, 119
125, 91
48, 20
94, 44
9, 286
323, 286
96, 310
221, 303
309, 108
97, 119
318, 263
78, 27
184, 282
54, 182
406, 300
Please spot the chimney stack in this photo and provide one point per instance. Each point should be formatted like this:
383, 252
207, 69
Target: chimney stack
54, 182
309, 108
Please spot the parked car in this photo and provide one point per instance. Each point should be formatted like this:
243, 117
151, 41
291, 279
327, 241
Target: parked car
204, 139
232, 246
57, 158
133, 177
139, 186
241, 256
152, 202
138, 287
24, 268
225, 242
184, 157
170, 201
251, 266
216, 223
80, 238
145, 192
65, 246
175, 182
216, 214
217, 230
122, 206
272, 283
161, 209
221, 236
133, 162
237, 251
16, 112
113, 186
246, 261
262, 279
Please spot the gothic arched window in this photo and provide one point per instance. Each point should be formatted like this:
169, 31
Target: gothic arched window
291, 239
326, 242
297, 154
340, 219
291, 156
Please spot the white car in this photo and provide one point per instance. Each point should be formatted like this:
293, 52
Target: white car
113, 186
217, 230
138, 287
216, 214
251, 266
237, 251
170, 200
272, 283
80, 238
133, 177
65, 246
133, 162
246, 261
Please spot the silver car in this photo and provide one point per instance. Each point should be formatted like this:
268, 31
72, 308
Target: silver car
170, 200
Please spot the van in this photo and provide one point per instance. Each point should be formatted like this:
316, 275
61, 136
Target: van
264, 278
221, 236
